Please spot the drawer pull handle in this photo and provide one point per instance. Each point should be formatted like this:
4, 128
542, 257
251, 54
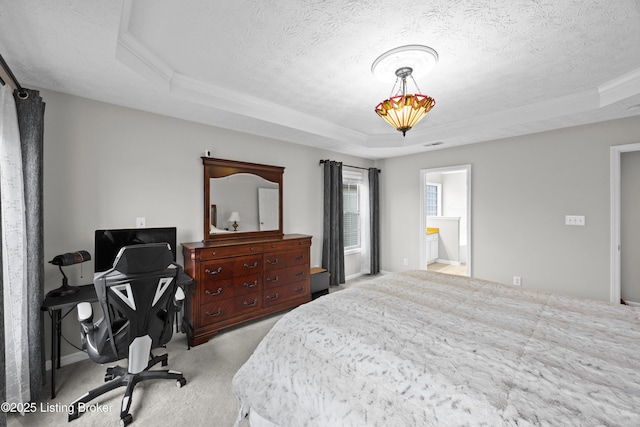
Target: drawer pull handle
299, 257
275, 279
273, 298
251, 304
298, 290
217, 313
255, 264
213, 272
218, 292
252, 249
300, 273
273, 262
250, 285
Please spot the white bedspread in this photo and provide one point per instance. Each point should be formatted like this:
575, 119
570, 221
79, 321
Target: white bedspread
419, 348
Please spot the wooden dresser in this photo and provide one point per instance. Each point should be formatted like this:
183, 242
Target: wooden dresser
237, 281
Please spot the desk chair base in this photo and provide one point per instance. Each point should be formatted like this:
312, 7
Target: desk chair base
118, 376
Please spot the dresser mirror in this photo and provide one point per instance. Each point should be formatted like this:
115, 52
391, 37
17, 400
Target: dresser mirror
241, 200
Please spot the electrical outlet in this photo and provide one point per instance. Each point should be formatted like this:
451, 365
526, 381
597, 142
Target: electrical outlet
574, 220
405, 261
141, 222
517, 280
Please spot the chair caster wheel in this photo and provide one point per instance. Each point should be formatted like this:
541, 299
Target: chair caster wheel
108, 377
181, 382
73, 415
126, 420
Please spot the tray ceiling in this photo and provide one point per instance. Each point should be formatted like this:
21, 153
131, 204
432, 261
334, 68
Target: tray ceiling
300, 70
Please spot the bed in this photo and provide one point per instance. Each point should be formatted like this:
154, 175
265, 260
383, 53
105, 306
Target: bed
419, 348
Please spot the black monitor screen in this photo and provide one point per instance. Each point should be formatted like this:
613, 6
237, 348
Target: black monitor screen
109, 242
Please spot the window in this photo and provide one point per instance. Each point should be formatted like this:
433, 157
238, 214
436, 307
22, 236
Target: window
351, 188
434, 199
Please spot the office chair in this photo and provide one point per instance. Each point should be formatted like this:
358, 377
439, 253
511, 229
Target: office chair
139, 297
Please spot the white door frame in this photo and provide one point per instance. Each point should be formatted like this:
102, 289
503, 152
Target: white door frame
615, 157
423, 217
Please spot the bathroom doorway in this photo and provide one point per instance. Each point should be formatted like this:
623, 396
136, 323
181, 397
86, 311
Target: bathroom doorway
624, 245
445, 219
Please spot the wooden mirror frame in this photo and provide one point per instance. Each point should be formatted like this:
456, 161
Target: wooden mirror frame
219, 168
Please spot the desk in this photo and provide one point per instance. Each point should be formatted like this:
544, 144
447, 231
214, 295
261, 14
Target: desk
54, 306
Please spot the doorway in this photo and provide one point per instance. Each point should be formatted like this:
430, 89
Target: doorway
445, 219
618, 270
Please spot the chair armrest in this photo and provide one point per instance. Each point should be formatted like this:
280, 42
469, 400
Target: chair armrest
178, 299
85, 312
85, 317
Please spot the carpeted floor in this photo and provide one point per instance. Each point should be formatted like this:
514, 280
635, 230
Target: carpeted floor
206, 399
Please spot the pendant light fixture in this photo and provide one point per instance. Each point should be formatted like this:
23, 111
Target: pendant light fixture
403, 110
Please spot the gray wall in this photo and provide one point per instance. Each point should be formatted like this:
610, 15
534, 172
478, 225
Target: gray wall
105, 165
522, 188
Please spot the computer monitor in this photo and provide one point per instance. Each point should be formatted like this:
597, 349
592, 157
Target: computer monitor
109, 242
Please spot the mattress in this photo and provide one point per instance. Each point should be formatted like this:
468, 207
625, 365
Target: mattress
419, 348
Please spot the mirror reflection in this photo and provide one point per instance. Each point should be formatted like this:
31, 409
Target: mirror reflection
243, 202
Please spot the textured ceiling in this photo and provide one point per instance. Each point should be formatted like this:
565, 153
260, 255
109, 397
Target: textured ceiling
299, 70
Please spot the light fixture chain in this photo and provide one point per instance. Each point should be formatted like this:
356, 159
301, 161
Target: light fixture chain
414, 82
393, 89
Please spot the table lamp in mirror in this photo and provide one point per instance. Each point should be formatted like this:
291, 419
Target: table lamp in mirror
235, 219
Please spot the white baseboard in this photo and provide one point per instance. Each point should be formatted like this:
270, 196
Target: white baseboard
353, 276
68, 359
633, 304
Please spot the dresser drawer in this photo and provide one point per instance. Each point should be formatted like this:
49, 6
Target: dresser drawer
223, 252
229, 267
286, 275
284, 293
298, 257
287, 244
216, 290
230, 307
277, 260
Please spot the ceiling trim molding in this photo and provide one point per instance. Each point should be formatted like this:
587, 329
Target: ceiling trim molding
195, 90
620, 88
131, 52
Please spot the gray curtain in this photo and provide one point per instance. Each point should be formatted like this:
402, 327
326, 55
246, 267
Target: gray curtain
333, 227
374, 220
3, 373
30, 112
31, 124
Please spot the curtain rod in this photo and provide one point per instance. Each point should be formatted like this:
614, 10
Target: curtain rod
349, 166
23, 94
